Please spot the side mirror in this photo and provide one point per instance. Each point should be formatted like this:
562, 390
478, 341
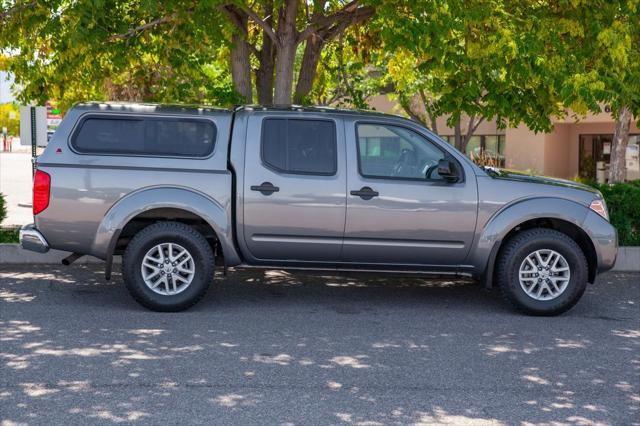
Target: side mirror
447, 170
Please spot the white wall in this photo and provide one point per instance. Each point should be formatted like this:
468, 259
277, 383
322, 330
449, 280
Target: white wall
5, 88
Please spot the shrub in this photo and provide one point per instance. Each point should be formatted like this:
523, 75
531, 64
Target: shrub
9, 235
3, 208
623, 201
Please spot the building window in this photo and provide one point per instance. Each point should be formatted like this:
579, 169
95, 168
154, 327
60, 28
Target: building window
595, 157
633, 158
484, 149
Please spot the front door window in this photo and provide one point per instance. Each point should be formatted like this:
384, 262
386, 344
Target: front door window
395, 152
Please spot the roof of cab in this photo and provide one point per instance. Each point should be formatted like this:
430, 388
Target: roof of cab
151, 108
315, 109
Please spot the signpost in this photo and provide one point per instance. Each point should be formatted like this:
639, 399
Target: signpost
33, 129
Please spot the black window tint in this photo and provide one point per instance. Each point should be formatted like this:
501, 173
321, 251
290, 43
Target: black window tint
180, 137
146, 136
299, 146
110, 135
395, 152
274, 143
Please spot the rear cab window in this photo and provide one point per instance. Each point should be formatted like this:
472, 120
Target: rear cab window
145, 136
299, 146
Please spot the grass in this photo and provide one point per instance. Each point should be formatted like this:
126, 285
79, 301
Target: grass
9, 235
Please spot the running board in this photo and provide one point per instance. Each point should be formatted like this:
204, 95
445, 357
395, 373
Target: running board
339, 269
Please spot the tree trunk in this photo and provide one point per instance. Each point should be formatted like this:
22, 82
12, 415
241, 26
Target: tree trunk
264, 77
618, 166
310, 59
428, 107
284, 75
457, 132
286, 52
241, 67
434, 123
266, 58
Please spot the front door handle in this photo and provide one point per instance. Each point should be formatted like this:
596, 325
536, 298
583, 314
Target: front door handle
365, 193
266, 188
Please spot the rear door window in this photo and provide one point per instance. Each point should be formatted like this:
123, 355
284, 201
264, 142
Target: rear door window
145, 136
299, 146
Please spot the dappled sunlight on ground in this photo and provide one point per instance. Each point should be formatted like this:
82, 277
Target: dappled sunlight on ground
275, 347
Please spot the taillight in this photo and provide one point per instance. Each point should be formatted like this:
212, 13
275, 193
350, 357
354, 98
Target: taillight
41, 191
600, 207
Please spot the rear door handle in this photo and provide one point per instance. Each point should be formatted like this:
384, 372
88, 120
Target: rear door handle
365, 193
266, 188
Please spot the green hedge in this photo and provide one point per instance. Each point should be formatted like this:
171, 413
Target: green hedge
623, 201
9, 235
3, 208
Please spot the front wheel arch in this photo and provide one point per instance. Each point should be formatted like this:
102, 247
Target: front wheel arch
571, 230
518, 285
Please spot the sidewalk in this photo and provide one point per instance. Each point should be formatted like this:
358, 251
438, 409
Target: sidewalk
15, 184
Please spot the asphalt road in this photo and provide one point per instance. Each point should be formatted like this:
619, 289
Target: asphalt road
270, 347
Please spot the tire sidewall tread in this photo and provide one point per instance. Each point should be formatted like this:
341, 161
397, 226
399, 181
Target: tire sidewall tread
526, 242
178, 233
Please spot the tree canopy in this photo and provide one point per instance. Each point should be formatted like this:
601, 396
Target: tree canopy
478, 59
163, 50
512, 61
599, 42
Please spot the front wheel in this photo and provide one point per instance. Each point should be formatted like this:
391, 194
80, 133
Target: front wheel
542, 272
168, 266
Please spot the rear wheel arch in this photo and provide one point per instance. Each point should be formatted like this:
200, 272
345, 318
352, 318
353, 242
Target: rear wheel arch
151, 205
164, 214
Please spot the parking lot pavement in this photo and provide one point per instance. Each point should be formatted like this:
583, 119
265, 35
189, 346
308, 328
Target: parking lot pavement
15, 184
271, 347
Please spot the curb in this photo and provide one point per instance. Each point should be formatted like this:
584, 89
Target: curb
628, 257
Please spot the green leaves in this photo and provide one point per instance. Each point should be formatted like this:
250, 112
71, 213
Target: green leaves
478, 58
105, 49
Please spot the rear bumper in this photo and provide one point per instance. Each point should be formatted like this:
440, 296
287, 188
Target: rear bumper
31, 239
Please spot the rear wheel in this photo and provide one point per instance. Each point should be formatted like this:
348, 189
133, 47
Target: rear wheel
542, 272
168, 266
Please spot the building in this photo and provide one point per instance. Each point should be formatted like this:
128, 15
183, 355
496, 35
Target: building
6, 81
573, 148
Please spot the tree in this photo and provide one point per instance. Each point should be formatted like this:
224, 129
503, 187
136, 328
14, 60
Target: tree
345, 76
278, 29
81, 50
479, 59
157, 50
10, 118
600, 44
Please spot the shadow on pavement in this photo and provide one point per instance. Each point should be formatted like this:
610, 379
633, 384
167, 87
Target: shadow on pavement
273, 347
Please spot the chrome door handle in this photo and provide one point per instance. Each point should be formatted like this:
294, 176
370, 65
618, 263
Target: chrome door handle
266, 188
365, 193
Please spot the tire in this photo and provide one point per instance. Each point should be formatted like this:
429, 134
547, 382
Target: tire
174, 294
544, 241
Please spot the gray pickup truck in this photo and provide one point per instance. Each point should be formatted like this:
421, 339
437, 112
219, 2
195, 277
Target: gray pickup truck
175, 190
